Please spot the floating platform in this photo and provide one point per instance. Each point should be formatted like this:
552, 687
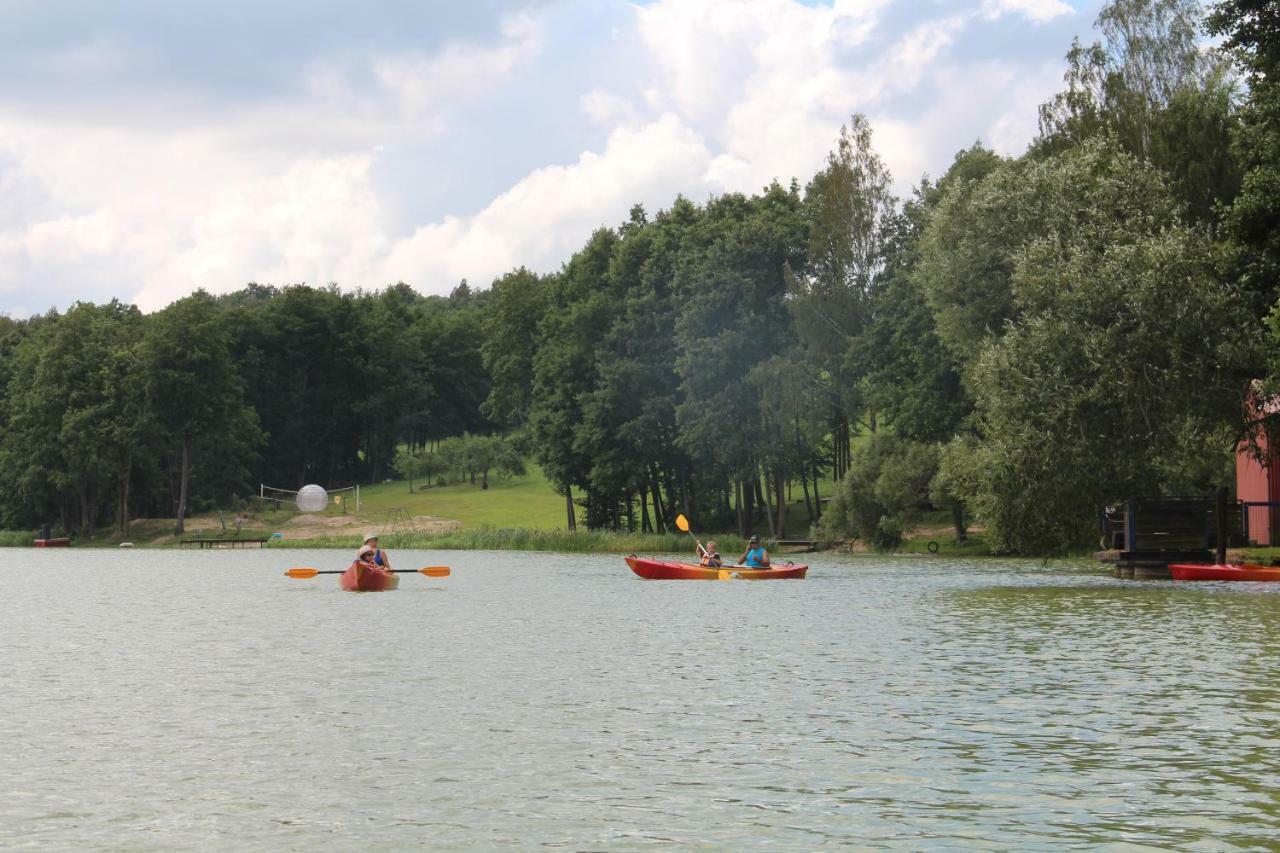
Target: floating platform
226, 542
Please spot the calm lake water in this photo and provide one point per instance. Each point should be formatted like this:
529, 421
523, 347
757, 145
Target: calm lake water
175, 700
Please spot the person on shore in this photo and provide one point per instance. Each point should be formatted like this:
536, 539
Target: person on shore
755, 557
710, 557
373, 556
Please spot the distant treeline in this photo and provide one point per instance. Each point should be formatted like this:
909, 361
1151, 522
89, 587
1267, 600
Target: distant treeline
1020, 341
109, 413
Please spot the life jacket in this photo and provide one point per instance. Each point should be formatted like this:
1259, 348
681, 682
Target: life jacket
755, 556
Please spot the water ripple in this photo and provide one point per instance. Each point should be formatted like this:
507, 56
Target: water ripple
161, 701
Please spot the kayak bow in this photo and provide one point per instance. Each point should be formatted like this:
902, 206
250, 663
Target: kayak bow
1199, 572
360, 578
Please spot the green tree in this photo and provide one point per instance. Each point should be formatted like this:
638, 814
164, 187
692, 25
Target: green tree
580, 306
850, 206
1251, 29
1149, 84
1120, 341
194, 389
731, 289
510, 330
75, 418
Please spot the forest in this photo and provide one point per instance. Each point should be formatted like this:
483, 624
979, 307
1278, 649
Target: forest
1017, 342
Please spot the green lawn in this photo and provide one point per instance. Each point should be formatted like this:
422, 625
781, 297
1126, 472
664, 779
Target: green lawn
489, 518
527, 501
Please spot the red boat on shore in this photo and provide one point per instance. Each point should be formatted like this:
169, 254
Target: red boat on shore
668, 570
1200, 572
358, 578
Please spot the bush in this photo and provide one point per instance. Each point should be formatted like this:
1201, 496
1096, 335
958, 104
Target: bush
888, 535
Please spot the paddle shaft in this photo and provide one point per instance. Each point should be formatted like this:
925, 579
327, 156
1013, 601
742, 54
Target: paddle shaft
310, 572
388, 571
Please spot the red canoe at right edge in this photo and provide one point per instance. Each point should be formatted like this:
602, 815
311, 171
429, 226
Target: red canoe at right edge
1199, 572
668, 570
360, 579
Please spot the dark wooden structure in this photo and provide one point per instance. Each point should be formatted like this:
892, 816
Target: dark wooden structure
1145, 535
223, 542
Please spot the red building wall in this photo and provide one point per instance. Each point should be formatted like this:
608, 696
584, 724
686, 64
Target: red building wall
1256, 482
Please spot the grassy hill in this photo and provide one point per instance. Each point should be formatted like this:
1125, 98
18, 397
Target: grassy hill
521, 512
527, 501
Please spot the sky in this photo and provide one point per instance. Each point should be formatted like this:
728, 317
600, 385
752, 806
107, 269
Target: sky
149, 148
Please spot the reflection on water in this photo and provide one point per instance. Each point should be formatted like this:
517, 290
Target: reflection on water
187, 701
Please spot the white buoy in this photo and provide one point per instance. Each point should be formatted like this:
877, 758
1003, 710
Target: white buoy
126, 544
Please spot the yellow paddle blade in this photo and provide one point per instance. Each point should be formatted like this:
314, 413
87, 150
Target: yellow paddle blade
302, 573
435, 571
682, 523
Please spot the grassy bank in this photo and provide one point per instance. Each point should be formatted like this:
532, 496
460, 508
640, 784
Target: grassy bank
975, 545
17, 538
510, 539
521, 513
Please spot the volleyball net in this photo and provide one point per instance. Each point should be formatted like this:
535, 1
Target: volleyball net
312, 498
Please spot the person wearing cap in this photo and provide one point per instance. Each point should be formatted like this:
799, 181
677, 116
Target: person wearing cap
754, 557
371, 555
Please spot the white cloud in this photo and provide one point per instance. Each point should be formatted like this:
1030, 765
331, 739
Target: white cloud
318, 222
1039, 11
462, 70
150, 210
549, 214
690, 97
606, 108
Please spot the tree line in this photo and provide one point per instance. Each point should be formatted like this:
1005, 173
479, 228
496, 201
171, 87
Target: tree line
1020, 340
108, 413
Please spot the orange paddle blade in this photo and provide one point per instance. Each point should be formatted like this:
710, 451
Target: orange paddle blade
435, 571
302, 573
682, 523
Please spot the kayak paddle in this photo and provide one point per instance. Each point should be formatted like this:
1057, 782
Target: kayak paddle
429, 571
683, 524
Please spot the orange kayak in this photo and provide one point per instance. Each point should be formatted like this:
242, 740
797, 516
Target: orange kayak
667, 570
1199, 572
358, 578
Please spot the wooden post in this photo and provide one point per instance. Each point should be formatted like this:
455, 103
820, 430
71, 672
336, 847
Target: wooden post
1221, 510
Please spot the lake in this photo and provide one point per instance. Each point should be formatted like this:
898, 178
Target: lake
186, 701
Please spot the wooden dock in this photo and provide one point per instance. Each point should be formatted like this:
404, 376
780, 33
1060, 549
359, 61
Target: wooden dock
222, 542
793, 546
1144, 535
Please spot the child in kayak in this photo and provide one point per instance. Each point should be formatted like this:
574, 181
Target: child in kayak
373, 556
754, 557
709, 556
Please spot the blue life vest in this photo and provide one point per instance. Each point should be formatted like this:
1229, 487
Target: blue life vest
755, 557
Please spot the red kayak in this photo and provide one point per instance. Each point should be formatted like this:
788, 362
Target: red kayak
667, 570
360, 578
1199, 572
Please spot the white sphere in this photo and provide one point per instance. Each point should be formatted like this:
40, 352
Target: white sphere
312, 498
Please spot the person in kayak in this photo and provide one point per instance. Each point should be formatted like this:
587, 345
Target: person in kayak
709, 556
754, 557
372, 555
